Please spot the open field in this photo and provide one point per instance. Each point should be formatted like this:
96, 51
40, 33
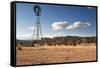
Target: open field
55, 54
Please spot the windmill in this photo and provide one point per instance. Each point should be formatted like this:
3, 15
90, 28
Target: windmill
37, 33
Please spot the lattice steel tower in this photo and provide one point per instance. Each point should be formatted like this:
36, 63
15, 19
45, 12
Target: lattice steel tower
37, 33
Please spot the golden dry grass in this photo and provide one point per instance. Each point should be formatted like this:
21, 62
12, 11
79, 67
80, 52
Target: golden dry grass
55, 54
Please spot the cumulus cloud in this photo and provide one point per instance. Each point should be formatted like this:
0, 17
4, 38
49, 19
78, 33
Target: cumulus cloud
77, 25
31, 27
59, 25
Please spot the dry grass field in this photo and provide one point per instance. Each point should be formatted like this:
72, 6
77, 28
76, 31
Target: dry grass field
55, 54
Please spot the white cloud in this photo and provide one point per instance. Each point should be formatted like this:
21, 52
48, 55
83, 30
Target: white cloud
77, 25
31, 27
59, 25
89, 7
54, 35
30, 36
59, 34
25, 37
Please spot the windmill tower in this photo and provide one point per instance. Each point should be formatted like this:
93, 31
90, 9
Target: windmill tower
37, 33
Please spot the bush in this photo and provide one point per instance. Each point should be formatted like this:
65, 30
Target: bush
19, 47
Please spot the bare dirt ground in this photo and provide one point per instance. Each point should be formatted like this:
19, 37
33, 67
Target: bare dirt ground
55, 54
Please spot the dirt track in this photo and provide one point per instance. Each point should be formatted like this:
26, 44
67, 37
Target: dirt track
55, 54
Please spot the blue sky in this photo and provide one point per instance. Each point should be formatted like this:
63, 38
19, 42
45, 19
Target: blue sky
56, 20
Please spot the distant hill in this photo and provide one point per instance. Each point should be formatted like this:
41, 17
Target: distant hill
23, 41
62, 40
